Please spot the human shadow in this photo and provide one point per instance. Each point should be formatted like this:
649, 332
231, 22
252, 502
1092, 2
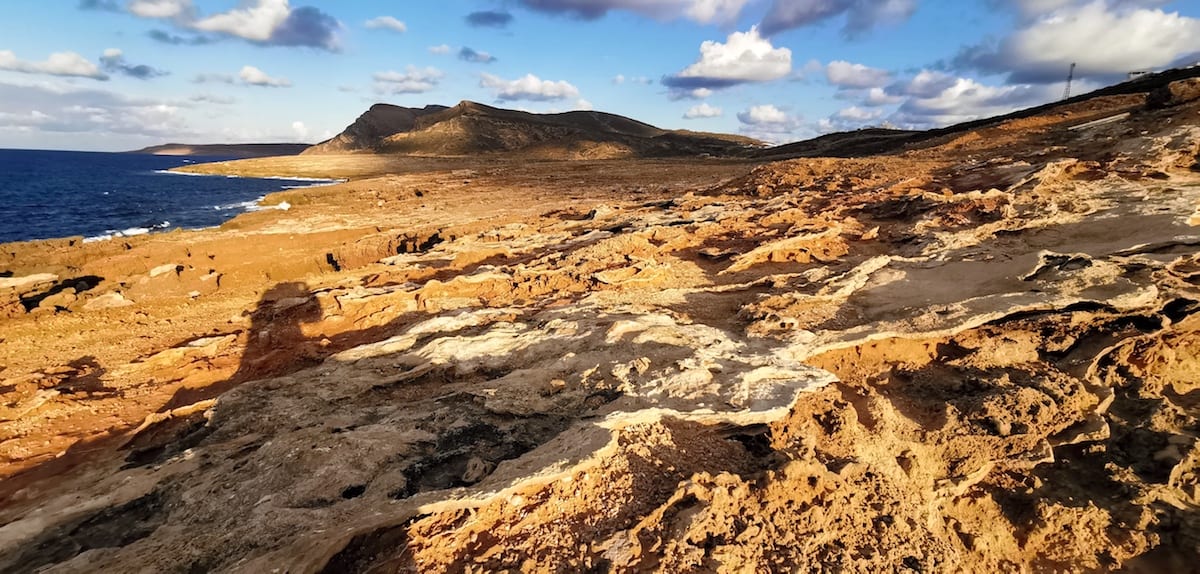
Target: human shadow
276, 336
275, 342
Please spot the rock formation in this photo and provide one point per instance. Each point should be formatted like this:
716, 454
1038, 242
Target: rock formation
978, 354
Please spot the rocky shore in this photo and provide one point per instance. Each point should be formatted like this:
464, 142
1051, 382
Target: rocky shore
979, 353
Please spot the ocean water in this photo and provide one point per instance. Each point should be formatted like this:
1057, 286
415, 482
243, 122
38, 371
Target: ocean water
47, 194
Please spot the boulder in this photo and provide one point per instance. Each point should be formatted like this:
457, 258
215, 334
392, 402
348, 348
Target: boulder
107, 301
1174, 94
60, 300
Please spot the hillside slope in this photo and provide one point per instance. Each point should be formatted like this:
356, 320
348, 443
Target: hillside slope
874, 141
471, 128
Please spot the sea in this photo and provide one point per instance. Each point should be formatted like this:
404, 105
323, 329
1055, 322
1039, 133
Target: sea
101, 196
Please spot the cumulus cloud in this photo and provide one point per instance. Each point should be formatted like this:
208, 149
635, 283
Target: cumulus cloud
861, 15
58, 64
529, 87
844, 74
252, 76
75, 112
702, 110
161, 8
744, 57
769, 123
936, 99
263, 22
857, 114
412, 80
114, 62
676, 94
469, 55
925, 84
703, 11
851, 118
441, 50
880, 97
1106, 38
489, 19
300, 129
386, 23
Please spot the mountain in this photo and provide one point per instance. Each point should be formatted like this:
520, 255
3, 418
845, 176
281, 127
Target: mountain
470, 128
226, 150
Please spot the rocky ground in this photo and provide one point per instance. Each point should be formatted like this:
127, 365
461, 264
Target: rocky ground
982, 354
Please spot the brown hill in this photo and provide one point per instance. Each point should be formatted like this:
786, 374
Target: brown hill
470, 128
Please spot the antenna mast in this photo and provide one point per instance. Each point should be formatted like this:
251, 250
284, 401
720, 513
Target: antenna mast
1070, 76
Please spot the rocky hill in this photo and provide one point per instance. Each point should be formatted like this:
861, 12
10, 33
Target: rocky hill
470, 128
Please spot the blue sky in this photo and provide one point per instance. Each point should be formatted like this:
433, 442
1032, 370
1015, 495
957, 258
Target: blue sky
121, 74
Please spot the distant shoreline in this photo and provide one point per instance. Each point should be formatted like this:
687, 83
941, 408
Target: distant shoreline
224, 150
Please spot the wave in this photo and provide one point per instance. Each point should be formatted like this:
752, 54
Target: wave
253, 205
130, 232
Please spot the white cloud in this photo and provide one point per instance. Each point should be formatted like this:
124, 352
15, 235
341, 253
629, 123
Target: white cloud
252, 76
619, 79
65, 114
440, 50
855, 113
848, 75
529, 87
264, 22
582, 104
252, 21
763, 115
926, 84
160, 8
880, 97
744, 57
702, 110
300, 129
1106, 38
965, 99
58, 64
386, 23
412, 80
675, 94
769, 123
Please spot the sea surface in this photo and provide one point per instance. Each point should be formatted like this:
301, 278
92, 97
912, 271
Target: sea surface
47, 194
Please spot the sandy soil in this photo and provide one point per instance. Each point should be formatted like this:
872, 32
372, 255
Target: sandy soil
979, 355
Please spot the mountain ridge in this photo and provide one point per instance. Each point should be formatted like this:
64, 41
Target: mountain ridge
470, 128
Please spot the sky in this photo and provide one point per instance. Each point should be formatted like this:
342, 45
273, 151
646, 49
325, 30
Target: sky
111, 75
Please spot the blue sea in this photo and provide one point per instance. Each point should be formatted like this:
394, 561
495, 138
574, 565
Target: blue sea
47, 194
